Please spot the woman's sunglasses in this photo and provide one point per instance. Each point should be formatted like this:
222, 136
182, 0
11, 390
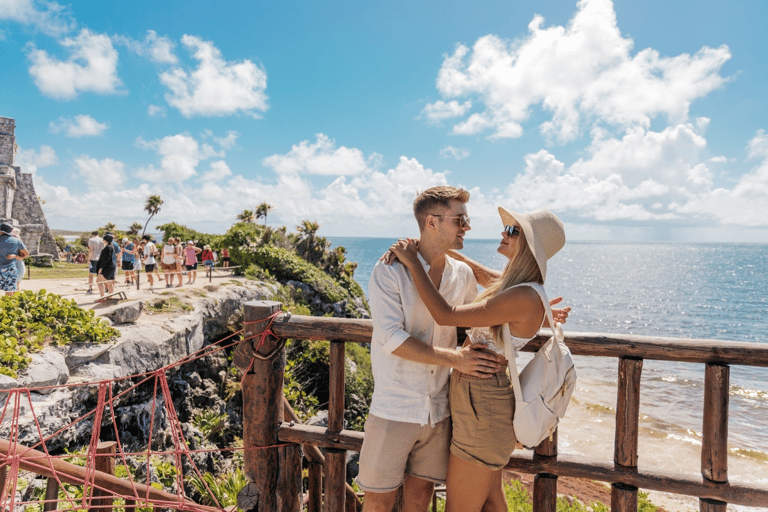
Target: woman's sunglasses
512, 230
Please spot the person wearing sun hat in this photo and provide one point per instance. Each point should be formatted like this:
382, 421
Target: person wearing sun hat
11, 249
482, 409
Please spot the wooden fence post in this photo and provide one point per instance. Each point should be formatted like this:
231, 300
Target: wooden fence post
336, 460
274, 472
624, 497
545, 484
105, 462
714, 436
315, 487
51, 495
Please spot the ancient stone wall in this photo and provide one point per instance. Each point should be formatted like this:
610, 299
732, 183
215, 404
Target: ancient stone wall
19, 203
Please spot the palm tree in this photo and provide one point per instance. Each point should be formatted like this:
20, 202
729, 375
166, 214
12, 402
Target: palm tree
109, 227
133, 229
307, 230
246, 216
152, 207
262, 210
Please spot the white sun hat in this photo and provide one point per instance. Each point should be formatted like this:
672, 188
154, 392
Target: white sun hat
544, 233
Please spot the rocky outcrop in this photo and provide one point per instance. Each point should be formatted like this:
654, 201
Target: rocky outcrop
156, 341
125, 313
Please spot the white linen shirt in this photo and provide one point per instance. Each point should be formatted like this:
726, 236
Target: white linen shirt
406, 390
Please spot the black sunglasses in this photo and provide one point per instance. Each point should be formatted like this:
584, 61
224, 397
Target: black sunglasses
512, 230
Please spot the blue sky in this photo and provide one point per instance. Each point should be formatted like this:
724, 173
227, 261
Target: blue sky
630, 120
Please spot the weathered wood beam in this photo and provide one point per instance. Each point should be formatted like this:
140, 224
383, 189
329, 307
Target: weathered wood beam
655, 480
587, 344
38, 462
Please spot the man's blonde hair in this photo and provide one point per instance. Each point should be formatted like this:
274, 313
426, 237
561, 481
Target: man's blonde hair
436, 197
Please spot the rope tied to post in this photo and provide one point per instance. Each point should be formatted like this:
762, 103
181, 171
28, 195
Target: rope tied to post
262, 338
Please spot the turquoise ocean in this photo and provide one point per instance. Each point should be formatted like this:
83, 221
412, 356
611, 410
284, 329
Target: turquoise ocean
707, 291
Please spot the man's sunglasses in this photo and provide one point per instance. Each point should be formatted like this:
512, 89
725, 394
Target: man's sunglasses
512, 230
462, 220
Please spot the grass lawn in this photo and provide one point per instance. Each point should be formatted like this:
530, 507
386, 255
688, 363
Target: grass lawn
60, 270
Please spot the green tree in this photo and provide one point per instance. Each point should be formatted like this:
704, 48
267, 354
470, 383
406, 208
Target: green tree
134, 228
247, 216
262, 210
152, 207
109, 227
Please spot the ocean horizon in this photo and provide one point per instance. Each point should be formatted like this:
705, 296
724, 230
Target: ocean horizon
665, 289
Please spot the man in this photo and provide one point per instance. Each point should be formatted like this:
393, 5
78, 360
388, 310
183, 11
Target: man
408, 431
11, 249
95, 245
149, 259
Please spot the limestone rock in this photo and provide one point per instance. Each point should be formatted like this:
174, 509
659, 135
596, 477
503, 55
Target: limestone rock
79, 354
7, 382
47, 368
125, 313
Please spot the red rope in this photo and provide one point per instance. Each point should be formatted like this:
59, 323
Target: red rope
107, 398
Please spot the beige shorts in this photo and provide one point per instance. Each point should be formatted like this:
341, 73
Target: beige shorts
482, 412
392, 449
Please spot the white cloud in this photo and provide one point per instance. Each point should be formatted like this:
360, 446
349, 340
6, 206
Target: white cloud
322, 158
216, 87
580, 73
218, 171
179, 154
455, 153
79, 126
103, 174
156, 111
92, 66
758, 146
441, 110
229, 141
49, 17
155, 48
30, 160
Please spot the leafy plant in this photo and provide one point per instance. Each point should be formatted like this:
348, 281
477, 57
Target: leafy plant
29, 321
224, 488
213, 425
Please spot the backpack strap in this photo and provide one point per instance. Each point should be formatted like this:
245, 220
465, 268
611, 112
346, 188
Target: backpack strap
509, 350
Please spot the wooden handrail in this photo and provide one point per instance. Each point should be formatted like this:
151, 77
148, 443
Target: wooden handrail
623, 474
38, 462
582, 343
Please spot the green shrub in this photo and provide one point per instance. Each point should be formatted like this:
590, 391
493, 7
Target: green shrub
286, 265
29, 321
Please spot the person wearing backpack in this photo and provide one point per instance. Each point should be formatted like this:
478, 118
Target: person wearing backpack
483, 409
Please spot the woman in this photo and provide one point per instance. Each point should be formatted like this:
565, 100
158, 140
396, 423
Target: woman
106, 267
21, 268
207, 258
168, 262
129, 260
11, 250
225, 257
482, 409
190, 261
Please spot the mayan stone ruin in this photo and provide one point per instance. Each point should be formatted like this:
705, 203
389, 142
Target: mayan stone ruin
19, 204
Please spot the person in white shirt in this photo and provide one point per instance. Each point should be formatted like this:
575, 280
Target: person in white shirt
408, 430
149, 259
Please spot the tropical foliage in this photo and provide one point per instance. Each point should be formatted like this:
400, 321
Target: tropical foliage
29, 321
152, 207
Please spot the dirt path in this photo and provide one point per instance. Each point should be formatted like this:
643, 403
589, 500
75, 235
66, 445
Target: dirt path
77, 288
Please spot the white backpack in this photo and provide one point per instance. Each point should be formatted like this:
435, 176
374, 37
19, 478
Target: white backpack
544, 387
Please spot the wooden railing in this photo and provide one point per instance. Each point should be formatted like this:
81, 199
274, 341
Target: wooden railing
278, 441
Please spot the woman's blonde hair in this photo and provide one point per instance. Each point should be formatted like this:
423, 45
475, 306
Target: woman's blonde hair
523, 268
